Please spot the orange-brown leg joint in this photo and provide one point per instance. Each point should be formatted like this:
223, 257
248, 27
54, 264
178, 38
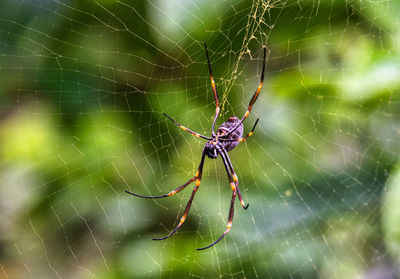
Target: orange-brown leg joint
212, 82
259, 87
256, 95
172, 193
235, 178
183, 218
185, 129
214, 91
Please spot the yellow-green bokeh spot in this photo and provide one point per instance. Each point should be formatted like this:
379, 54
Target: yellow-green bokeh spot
28, 135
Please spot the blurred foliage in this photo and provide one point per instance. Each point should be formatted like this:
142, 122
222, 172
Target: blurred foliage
83, 88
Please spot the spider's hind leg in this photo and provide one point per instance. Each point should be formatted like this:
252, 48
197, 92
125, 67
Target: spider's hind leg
214, 88
254, 97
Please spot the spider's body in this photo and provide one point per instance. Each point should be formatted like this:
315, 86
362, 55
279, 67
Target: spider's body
228, 136
218, 142
234, 136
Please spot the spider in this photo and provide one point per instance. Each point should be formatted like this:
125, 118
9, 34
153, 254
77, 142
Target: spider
228, 136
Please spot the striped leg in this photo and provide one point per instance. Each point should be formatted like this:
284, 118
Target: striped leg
228, 226
254, 98
196, 178
235, 191
173, 192
214, 90
186, 129
180, 188
233, 179
189, 204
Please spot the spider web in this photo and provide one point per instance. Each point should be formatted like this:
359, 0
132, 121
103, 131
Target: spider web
83, 88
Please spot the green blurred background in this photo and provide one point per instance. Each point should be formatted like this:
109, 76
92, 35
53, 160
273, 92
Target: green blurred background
83, 85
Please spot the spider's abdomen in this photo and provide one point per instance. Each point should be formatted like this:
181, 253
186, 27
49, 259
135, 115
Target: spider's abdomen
226, 127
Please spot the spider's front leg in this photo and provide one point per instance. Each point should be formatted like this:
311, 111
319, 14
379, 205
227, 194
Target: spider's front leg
233, 179
180, 188
235, 192
228, 226
196, 178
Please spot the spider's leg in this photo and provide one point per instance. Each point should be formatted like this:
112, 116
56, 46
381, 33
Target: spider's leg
254, 98
173, 192
186, 129
196, 178
214, 91
244, 138
180, 188
189, 204
229, 225
233, 179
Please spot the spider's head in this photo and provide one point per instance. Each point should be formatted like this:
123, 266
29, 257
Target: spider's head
211, 150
